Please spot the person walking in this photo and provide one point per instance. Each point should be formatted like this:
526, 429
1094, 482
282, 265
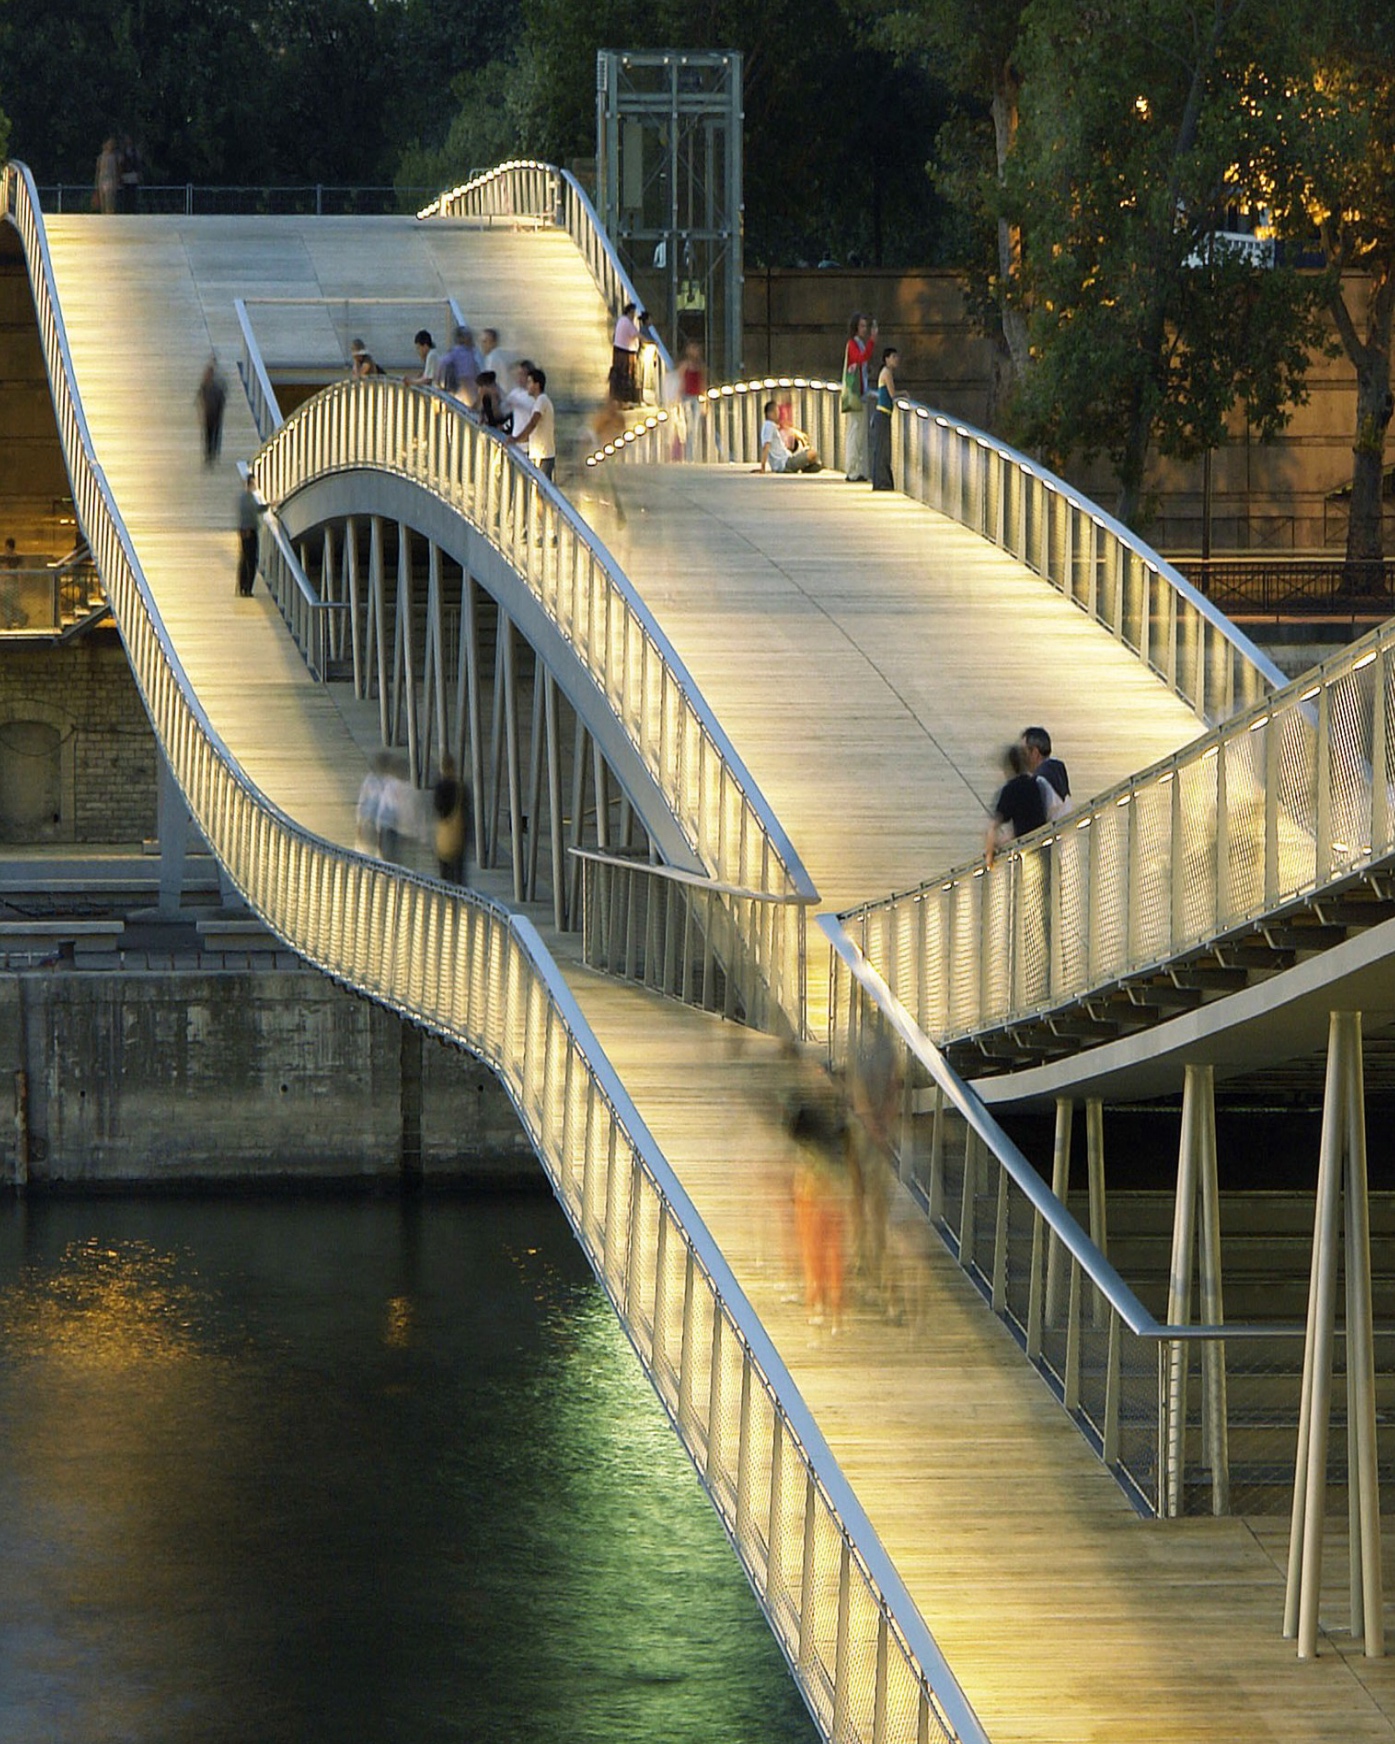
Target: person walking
448, 804
1019, 808
624, 358
249, 521
881, 421
857, 403
1048, 769
540, 428
107, 190
212, 396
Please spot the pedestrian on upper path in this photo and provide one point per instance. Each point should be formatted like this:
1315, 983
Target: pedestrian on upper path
1019, 808
881, 421
539, 430
857, 402
624, 356
1050, 771
212, 397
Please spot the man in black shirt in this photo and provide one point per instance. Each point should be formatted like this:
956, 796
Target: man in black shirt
1019, 808
1036, 742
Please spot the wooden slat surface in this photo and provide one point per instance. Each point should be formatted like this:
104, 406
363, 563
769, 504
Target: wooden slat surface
866, 659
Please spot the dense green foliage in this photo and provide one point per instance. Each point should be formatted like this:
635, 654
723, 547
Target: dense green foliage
262, 91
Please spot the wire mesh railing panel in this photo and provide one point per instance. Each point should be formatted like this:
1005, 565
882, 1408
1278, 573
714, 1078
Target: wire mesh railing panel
1195, 850
1150, 864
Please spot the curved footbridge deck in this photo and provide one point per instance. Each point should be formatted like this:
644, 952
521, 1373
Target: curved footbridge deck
865, 657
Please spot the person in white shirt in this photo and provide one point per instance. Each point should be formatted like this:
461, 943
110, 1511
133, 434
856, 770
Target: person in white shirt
426, 351
783, 450
540, 430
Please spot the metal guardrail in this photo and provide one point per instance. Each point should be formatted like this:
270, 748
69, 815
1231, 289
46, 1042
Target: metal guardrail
39, 599
464, 968
1305, 585
1121, 1374
429, 438
704, 943
527, 190
1253, 817
251, 199
1021, 508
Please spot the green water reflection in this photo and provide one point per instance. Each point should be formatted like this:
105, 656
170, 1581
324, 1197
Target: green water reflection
349, 1470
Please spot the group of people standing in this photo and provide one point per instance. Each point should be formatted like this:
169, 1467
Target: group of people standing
522, 412
867, 402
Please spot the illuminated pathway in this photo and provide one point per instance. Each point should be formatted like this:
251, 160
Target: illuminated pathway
865, 686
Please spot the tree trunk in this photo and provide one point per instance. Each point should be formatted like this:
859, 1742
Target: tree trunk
1370, 357
1006, 89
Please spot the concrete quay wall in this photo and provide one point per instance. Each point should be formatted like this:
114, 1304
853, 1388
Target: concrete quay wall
225, 1077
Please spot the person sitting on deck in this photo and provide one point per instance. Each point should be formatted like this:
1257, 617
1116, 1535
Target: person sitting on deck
785, 450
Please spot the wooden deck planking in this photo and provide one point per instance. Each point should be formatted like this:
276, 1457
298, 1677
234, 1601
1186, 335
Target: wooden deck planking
865, 658
1065, 1615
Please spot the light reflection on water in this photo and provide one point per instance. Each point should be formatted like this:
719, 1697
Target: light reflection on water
349, 1470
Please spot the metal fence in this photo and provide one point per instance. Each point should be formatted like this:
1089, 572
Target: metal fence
468, 970
194, 199
1290, 796
1012, 502
526, 191
740, 952
39, 599
1191, 1418
429, 438
1302, 585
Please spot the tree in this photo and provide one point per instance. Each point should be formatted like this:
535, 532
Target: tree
1344, 117
972, 46
1143, 121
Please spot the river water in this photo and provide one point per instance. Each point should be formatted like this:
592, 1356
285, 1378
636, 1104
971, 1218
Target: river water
352, 1470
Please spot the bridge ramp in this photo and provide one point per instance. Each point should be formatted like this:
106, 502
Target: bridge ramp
870, 659
144, 301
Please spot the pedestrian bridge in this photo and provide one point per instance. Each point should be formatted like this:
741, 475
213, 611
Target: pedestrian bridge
696, 705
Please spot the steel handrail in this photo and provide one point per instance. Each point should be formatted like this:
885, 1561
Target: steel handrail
1093, 1264
430, 438
256, 383
694, 880
465, 968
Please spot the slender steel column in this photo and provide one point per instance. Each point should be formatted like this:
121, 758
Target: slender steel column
1060, 1186
1099, 1228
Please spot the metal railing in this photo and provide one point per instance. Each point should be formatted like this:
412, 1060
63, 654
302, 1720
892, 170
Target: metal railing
1274, 582
39, 599
1023, 510
711, 945
1288, 797
526, 190
250, 199
430, 439
1122, 1375
466, 969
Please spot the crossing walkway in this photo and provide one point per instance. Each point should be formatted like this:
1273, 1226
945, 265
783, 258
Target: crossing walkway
865, 657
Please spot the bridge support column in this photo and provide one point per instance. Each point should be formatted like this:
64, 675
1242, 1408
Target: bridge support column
1099, 1223
1341, 1164
1197, 1177
173, 825
1060, 1186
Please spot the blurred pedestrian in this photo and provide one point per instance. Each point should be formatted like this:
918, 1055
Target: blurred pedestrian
624, 358
857, 402
448, 805
107, 190
607, 425
815, 1117
458, 369
212, 396
249, 520
12, 613
692, 387
880, 444
1019, 808
492, 411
